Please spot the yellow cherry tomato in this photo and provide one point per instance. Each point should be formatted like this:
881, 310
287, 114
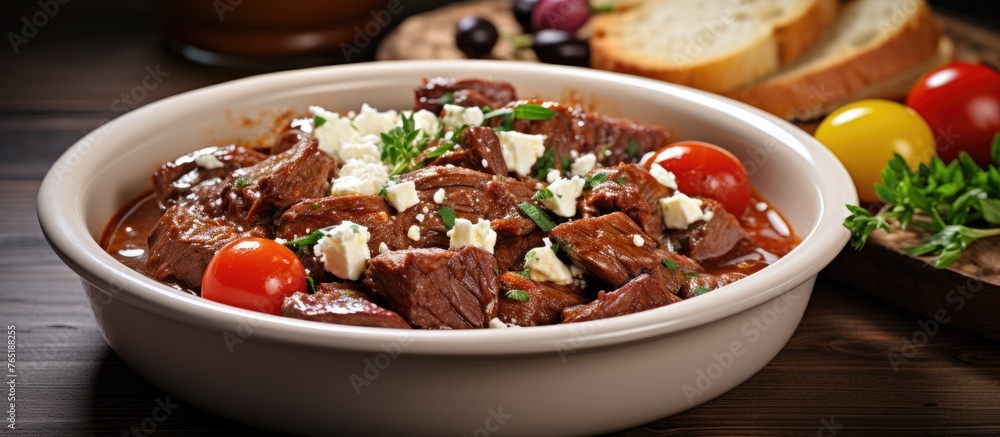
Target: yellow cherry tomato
865, 134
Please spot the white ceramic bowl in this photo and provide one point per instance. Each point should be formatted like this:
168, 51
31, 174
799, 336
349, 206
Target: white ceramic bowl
307, 377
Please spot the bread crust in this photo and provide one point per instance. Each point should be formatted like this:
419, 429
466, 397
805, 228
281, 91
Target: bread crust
808, 94
763, 56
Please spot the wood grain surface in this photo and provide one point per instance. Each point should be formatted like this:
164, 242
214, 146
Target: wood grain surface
836, 376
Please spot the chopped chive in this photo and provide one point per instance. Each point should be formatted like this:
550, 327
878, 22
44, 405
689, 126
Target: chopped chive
698, 291
299, 245
670, 265
311, 284
538, 216
544, 193
594, 180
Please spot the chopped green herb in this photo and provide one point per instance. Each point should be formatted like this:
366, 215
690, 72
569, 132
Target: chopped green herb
594, 180
698, 291
442, 148
602, 9
383, 193
622, 180
544, 193
241, 182
311, 284
315, 205
355, 229
566, 163
670, 265
691, 273
530, 111
318, 121
399, 150
538, 216
518, 295
555, 247
632, 149
546, 163
957, 203
447, 216
496, 270
299, 245
447, 99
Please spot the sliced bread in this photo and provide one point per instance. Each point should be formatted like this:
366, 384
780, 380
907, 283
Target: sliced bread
712, 45
877, 48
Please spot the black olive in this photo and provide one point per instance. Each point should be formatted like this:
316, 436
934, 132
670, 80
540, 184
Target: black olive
522, 12
559, 47
475, 36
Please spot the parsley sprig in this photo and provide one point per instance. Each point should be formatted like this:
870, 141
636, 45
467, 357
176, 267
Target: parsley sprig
957, 203
400, 147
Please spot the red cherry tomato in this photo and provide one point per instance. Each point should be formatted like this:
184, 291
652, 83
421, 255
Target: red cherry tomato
707, 170
253, 273
961, 103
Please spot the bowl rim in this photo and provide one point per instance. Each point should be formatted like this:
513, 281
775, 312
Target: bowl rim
60, 212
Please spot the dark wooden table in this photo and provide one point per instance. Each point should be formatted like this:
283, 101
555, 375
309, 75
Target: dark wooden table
834, 377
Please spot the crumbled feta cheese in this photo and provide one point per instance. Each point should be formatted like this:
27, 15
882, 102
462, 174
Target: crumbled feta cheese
565, 192
208, 161
485, 164
496, 323
638, 241
402, 196
544, 266
420, 217
480, 235
552, 176
366, 149
343, 250
360, 177
427, 122
383, 248
574, 154
457, 116
372, 122
679, 210
645, 158
663, 176
414, 233
334, 132
520, 151
583, 164
439, 195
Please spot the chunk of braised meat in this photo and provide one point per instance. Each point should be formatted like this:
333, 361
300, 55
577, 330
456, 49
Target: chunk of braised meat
471, 194
466, 92
257, 194
373, 212
709, 239
342, 303
478, 149
184, 240
704, 283
175, 179
605, 247
645, 292
515, 237
631, 190
436, 288
545, 303
611, 139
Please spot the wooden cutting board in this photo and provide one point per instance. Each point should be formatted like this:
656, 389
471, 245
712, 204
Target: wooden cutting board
967, 294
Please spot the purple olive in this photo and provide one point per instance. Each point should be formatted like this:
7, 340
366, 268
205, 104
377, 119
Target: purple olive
475, 36
559, 47
566, 15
